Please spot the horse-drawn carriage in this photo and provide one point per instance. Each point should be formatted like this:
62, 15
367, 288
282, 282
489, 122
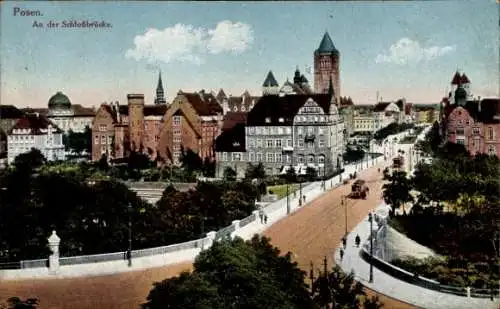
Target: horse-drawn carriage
359, 189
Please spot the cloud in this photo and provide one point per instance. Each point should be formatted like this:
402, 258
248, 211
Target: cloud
407, 51
187, 43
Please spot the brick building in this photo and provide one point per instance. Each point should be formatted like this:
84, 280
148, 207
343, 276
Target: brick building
327, 67
117, 129
192, 121
473, 123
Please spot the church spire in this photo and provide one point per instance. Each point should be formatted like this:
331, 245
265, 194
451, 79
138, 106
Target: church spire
160, 95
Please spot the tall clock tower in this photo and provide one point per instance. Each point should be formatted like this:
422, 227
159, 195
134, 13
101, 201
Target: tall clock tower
327, 67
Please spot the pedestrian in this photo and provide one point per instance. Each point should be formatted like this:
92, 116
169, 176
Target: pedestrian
341, 254
304, 198
265, 219
344, 242
357, 240
261, 215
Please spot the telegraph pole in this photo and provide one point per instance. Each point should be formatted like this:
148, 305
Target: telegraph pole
370, 218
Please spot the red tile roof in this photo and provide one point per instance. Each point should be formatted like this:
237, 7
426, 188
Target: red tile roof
35, 122
205, 104
231, 119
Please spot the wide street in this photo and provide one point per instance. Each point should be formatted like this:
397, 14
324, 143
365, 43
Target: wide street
311, 233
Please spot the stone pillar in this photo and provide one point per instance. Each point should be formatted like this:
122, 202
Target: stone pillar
468, 291
54, 242
209, 240
257, 217
236, 224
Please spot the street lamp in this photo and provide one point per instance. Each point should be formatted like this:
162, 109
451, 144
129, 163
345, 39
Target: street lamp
324, 176
300, 193
370, 218
129, 250
287, 197
343, 203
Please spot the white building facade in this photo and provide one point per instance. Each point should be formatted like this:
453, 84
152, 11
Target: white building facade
35, 131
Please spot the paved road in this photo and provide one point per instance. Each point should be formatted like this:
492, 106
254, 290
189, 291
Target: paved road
317, 229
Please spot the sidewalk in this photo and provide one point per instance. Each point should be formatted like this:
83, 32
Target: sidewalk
398, 289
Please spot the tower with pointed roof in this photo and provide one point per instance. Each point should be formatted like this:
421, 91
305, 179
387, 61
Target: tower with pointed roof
270, 85
460, 81
326, 67
160, 94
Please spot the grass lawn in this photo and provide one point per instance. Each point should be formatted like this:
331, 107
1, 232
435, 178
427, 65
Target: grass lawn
280, 190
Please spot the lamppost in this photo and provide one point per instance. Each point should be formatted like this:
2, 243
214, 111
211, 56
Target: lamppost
344, 204
287, 197
300, 193
370, 218
129, 250
324, 176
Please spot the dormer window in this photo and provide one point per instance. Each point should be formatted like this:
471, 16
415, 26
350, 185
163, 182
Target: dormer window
281, 120
268, 119
243, 108
236, 144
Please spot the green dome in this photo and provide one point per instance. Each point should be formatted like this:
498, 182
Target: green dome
59, 100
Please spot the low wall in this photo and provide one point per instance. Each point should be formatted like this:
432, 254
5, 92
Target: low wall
112, 263
412, 278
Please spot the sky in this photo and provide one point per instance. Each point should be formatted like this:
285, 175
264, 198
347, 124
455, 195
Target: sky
400, 49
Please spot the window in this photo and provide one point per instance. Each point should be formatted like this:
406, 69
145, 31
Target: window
310, 145
110, 140
301, 143
177, 132
177, 120
281, 120
259, 143
102, 128
321, 143
310, 158
251, 130
300, 130
280, 130
236, 156
288, 130
265, 130
270, 157
460, 141
157, 138
103, 139
321, 131
251, 156
300, 159
103, 149
310, 130
289, 143
224, 156
490, 133
250, 142
278, 143
476, 131
258, 157
321, 159
268, 119
96, 139
460, 131
269, 143
491, 150
288, 158
278, 157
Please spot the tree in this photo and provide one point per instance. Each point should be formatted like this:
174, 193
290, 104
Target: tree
139, 161
236, 274
229, 174
17, 303
291, 175
208, 167
30, 160
311, 173
432, 141
397, 190
256, 171
341, 291
191, 161
78, 141
102, 164
353, 155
